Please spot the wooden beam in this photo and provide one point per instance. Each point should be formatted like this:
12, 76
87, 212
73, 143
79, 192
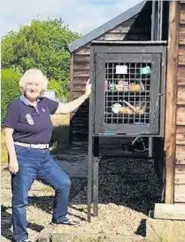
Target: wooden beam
169, 211
164, 230
71, 96
71, 75
179, 193
171, 97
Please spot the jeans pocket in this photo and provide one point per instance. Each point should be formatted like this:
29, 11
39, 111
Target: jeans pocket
22, 153
21, 149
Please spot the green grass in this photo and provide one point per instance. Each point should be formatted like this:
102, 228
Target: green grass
60, 137
4, 155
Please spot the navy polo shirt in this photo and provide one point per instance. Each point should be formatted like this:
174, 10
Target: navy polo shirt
31, 124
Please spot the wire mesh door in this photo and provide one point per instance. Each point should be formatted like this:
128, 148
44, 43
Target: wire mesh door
127, 93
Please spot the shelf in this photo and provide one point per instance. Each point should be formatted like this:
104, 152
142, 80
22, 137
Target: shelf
125, 115
115, 91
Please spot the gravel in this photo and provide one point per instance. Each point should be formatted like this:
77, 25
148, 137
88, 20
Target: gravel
128, 189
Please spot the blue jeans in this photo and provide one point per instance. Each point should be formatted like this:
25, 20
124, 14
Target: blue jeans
37, 164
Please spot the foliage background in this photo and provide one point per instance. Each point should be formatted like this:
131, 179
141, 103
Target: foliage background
42, 45
9, 88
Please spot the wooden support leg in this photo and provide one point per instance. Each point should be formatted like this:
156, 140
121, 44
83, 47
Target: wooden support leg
159, 162
95, 175
90, 160
150, 146
90, 176
95, 185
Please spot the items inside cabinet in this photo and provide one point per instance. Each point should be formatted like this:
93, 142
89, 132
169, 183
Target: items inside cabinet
127, 88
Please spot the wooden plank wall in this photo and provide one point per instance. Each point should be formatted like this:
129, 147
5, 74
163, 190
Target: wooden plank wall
179, 190
80, 74
136, 28
125, 32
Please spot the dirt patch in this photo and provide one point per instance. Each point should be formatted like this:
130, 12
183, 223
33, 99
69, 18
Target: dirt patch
112, 219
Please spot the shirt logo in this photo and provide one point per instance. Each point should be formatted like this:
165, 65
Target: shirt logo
29, 119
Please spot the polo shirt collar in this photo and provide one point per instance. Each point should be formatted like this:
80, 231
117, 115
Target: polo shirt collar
26, 101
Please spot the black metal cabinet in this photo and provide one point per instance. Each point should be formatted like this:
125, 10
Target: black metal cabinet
128, 89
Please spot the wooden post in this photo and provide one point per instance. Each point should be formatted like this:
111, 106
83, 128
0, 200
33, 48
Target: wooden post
170, 125
91, 137
71, 85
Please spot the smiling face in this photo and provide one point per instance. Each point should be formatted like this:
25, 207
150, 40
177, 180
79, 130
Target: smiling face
32, 90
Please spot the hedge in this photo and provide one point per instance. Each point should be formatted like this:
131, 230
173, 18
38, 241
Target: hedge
9, 89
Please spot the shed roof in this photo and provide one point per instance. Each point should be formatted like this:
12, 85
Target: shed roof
107, 26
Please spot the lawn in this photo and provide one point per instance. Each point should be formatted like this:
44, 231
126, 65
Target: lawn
60, 137
4, 156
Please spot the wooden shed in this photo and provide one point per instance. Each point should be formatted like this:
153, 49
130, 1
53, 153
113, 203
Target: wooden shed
175, 108
132, 25
146, 21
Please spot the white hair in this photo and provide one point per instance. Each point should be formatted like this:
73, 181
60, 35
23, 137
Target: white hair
31, 75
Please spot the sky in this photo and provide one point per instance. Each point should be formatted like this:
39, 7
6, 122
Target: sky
81, 16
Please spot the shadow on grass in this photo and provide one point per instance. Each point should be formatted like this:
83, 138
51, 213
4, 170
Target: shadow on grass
6, 223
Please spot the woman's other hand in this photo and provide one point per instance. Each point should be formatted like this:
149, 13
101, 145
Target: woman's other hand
13, 166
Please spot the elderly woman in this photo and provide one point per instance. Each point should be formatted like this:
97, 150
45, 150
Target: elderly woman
28, 131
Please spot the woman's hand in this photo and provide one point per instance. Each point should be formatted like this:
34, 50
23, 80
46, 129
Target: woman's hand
88, 88
13, 166
71, 106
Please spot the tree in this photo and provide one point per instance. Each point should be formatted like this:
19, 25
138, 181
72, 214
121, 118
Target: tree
9, 89
41, 45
